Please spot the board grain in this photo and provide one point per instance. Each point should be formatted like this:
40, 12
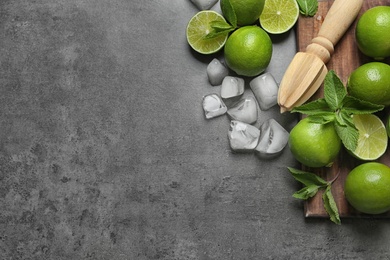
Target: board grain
345, 59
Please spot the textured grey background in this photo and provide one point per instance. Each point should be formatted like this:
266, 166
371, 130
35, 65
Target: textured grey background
105, 152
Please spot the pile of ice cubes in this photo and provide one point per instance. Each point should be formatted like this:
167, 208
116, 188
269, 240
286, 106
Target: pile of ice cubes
270, 138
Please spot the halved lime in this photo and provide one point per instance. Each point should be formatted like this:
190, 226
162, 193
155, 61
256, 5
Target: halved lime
199, 27
279, 16
373, 138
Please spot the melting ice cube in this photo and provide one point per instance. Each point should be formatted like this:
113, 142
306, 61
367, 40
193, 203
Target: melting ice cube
243, 137
273, 139
265, 90
244, 110
216, 72
204, 4
213, 106
232, 87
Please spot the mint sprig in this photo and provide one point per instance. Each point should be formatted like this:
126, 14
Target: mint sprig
338, 107
308, 7
313, 183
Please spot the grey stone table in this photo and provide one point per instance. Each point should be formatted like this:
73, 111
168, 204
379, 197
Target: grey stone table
105, 152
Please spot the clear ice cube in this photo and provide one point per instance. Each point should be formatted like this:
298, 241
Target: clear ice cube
243, 137
273, 139
265, 88
216, 72
204, 4
232, 87
244, 110
213, 106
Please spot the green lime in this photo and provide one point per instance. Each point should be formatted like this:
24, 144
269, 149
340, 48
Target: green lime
367, 188
372, 32
199, 27
247, 11
372, 142
279, 16
371, 82
314, 145
248, 51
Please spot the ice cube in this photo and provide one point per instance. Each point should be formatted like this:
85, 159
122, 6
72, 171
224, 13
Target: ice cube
243, 137
232, 87
216, 72
273, 139
213, 106
265, 89
244, 110
204, 4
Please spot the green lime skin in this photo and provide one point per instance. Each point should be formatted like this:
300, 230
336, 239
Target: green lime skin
247, 11
248, 51
314, 145
367, 188
372, 32
371, 82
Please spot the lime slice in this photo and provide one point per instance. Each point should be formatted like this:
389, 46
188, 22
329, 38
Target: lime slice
279, 16
373, 138
197, 29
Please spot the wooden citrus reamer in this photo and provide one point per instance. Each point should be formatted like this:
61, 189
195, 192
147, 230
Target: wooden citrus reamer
307, 70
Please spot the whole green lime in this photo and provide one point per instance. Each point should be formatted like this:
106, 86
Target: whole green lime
314, 145
367, 188
247, 11
372, 32
248, 51
371, 82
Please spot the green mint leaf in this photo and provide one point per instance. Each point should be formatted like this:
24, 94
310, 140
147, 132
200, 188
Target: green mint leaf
214, 34
331, 206
306, 192
347, 131
313, 108
352, 105
308, 7
228, 12
307, 178
220, 26
334, 91
322, 118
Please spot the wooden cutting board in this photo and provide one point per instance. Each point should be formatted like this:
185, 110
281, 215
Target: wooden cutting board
345, 59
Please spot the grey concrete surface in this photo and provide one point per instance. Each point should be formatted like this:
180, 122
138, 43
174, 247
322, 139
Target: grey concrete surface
105, 152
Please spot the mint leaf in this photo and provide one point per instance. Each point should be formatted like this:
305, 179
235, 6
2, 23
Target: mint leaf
306, 192
312, 108
228, 12
308, 7
322, 118
352, 105
334, 91
219, 28
347, 131
307, 178
331, 206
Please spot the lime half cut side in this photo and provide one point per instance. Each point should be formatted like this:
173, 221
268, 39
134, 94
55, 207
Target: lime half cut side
372, 142
279, 16
199, 27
